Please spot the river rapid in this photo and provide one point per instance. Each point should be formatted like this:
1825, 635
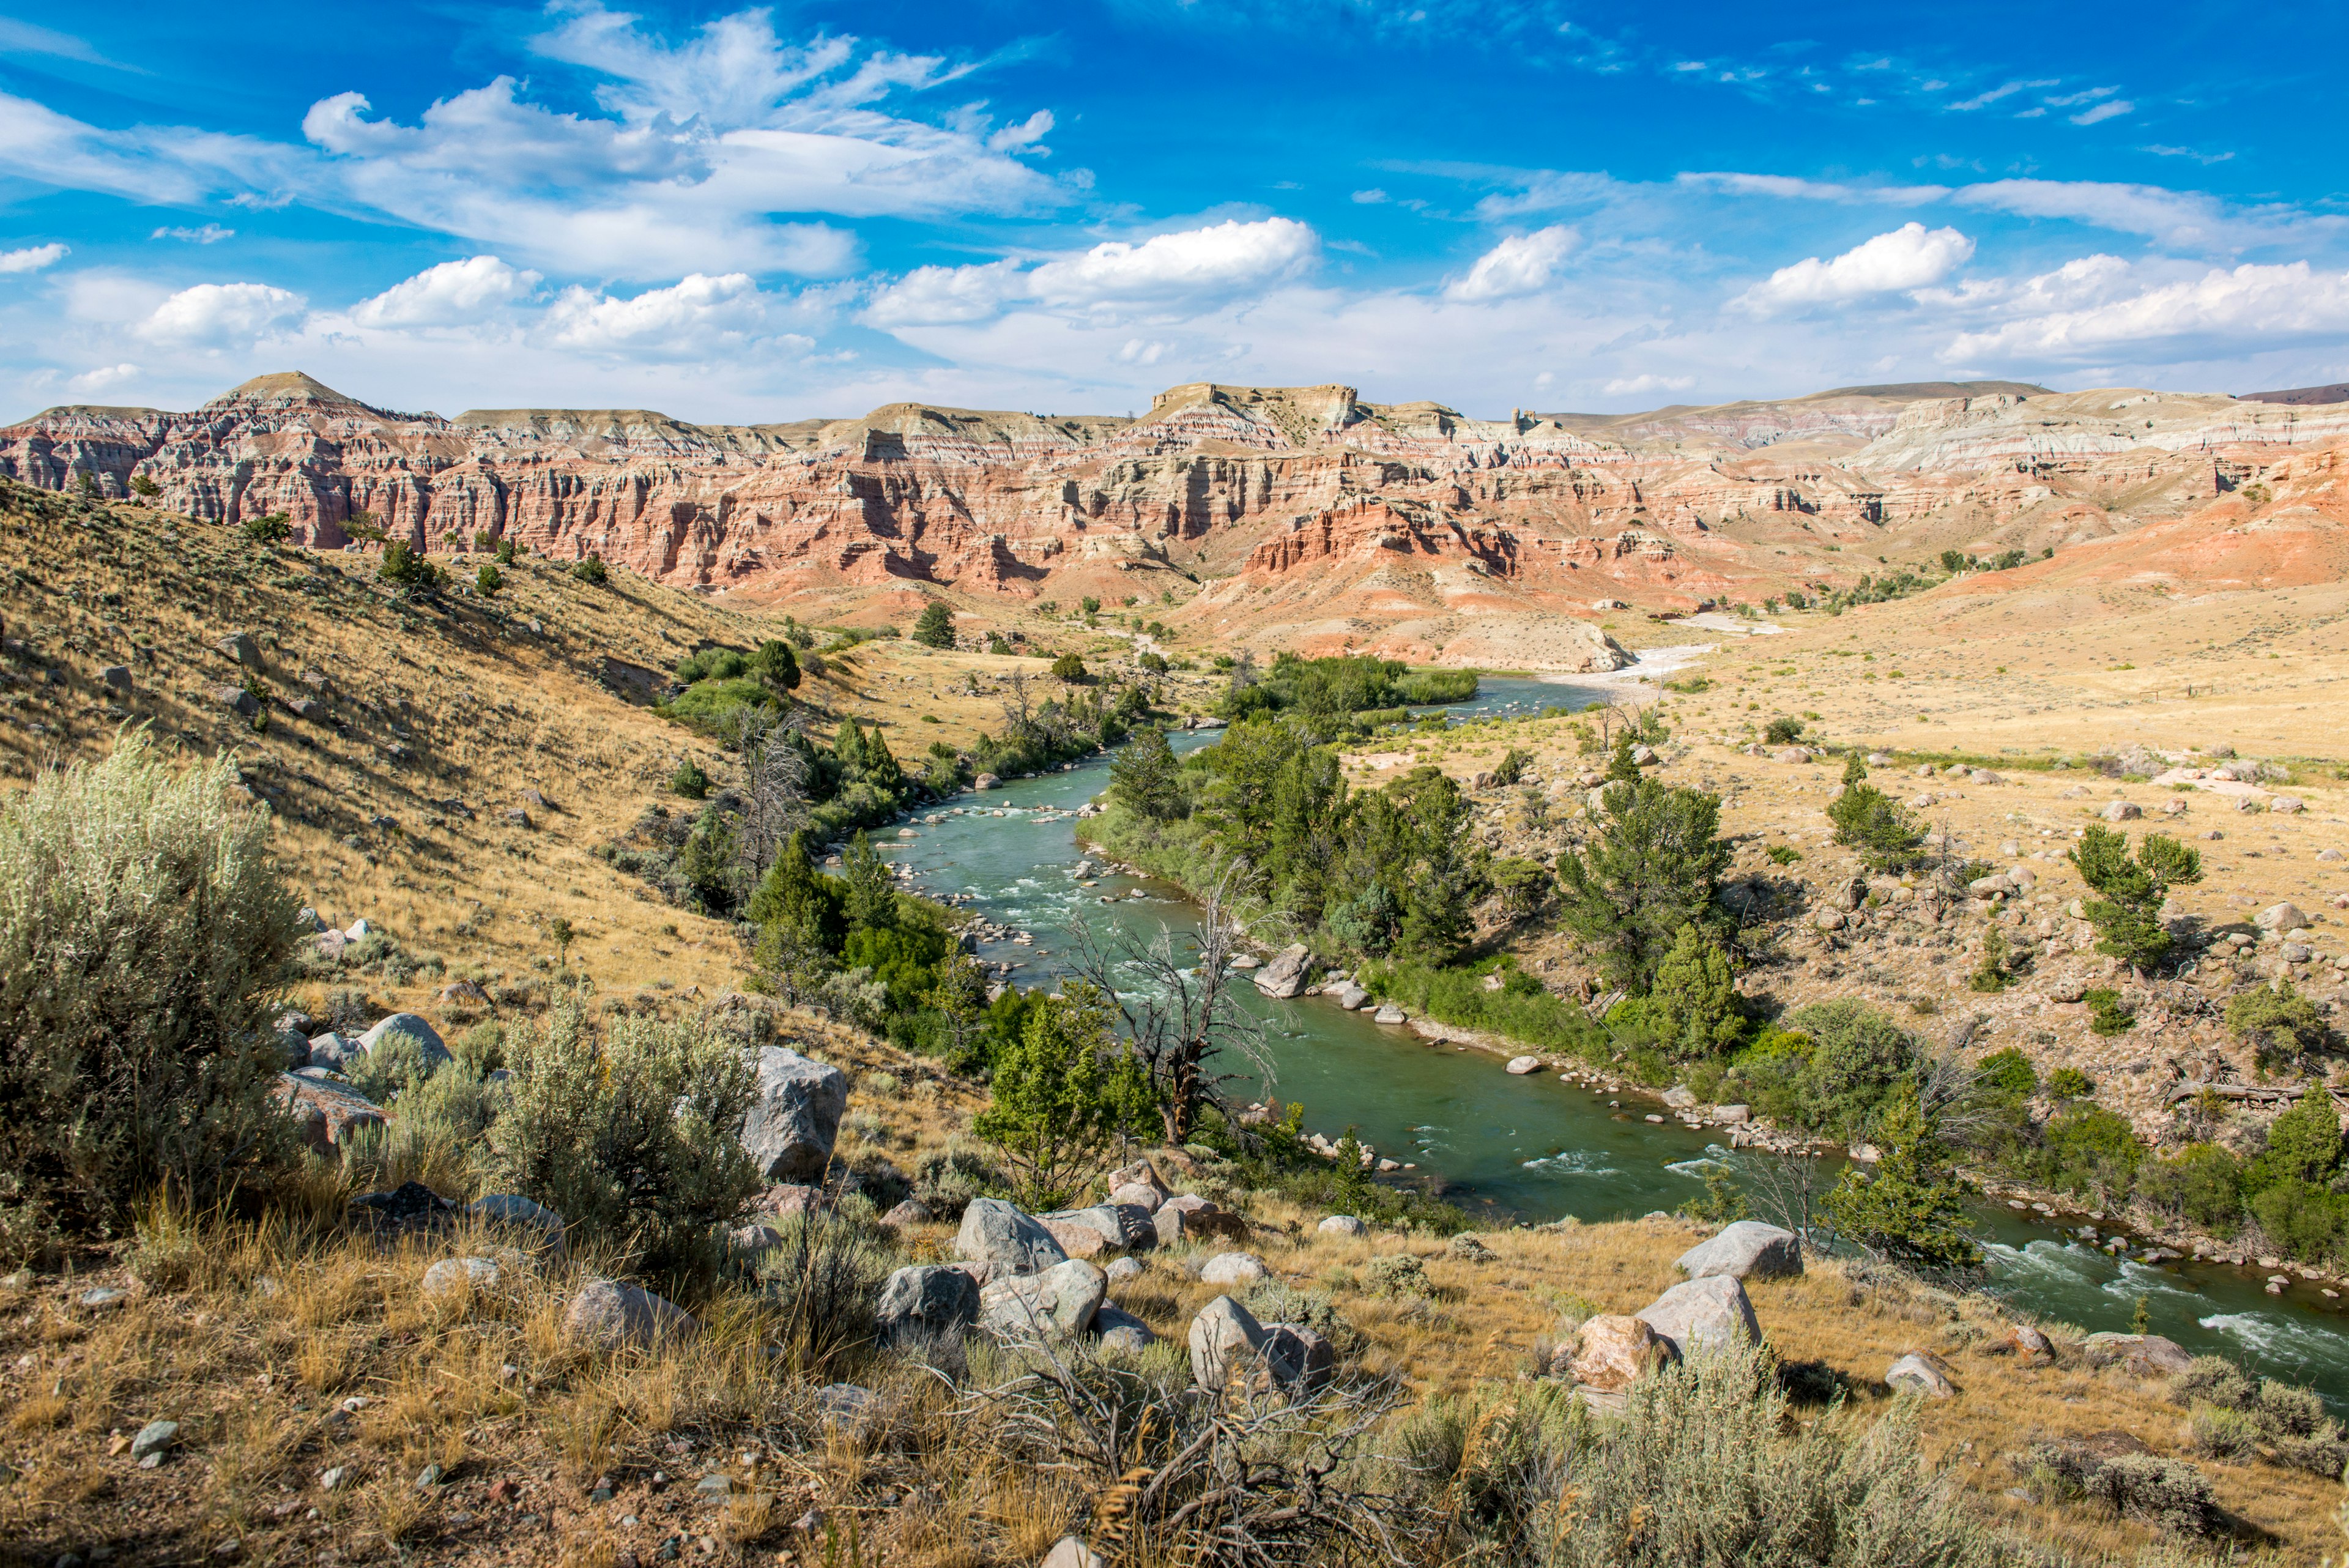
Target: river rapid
1535, 1149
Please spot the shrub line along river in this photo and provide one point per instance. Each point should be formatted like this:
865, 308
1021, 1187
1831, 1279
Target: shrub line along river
1536, 1148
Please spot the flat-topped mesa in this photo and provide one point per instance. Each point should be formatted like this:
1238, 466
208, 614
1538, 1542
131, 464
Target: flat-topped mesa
920, 433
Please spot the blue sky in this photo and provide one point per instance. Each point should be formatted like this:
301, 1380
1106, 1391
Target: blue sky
768, 213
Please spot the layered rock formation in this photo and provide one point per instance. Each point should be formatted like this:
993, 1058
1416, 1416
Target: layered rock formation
1346, 523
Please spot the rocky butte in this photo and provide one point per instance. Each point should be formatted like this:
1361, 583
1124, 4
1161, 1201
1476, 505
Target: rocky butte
1301, 515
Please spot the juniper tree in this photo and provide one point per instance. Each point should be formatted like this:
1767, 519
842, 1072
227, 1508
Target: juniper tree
1910, 1208
1653, 867
1866, 819
1146, 778
2131, 889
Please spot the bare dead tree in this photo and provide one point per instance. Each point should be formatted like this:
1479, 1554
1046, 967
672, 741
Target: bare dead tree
773, 792
1019, 705
1787, 1190
1179, 1001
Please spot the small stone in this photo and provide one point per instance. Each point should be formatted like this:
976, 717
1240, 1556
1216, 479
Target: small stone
1521, 1065
104, 1295
713, 1485
430, 1477
1341, 1225
330, 1479
1070, 1552
2121, 811
1389, 1014
1917, 1372
154, 1437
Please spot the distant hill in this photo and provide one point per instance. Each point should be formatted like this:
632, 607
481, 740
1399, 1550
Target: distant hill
2338, 392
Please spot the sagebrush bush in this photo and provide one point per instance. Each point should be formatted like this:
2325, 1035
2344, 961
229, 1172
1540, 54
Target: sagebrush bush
436, 1135
635, 1139
143, 940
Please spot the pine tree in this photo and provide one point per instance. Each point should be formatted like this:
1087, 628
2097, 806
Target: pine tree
936, 628
1653, 865
2130, 891
1910, 1208
1146, 778
1695, 1005
1061, 1097
872, 891
1866, 819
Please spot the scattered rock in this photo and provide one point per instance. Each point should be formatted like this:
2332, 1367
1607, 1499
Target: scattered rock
1341, 1225
612, 1313
1680, 1097
1389, 1014
1121, 1330
1747, 1250
1223, 1336
240, 647
912, 1212
2121, 811
1059, 1301
236, 699
1069, 1552
154, 1437
994, 1231
2026, 1345
1611, 1352
1521, 1065
1137, 1195
1918, 1373
1283, 977
929, 1299
2280, 918
533, 1224
431, 1055
795, 1117
1232, 1269
1351, 996
1122, 1269
2146, 1354
103, 1296
1702, 1312
326, 1115
1141, 1173
117, 676
1297, 1357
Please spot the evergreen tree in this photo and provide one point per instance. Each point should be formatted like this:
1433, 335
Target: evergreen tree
872, 891
1653, 865
794, 893
1866, 819
776, 664
936, 628
1695, 1005
1146, 778
2130, 890
1061, 1097
1620, 768
1910, 1208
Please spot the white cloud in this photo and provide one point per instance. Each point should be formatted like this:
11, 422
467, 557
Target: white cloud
221, 314
695, 317
2006, 89
2251, 307
209, 234
1908, 257
1635, 386
32, 258
1189, 266
449, 295
1373, 197
102, 378
1795, 189
1028, 135
1520, 264
2104, 111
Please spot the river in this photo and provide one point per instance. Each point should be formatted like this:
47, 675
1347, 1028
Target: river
1536, 1148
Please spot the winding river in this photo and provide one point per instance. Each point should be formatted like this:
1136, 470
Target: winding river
1536, 1148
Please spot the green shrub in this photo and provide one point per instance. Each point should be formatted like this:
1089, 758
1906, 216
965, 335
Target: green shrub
1070, 669
2107, 1014
2069, 1083
1695, 1006
2201, 1183
2301, 1220
2006, 1075
397, 1063
2126, 911
634, 1141
689, 780
267, 530
1783, 730
143, 936
591, 571
405, 566
435, 1136
488, 580
2279, 1023
1396, 1275
2087, 1149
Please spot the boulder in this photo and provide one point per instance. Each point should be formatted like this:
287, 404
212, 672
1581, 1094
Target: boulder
994, 1231
1077, 1240
236, 699
1917, 1372
2121, 811
332, 1050
1121, 1330
1232, 1269
613, 1315
1680, 1097
912, 1212
116, 676
1137, 1195
431, 1055
154, 1437
2146, 1354
1389, 1014
327, 1114
796, 1115
1141, 1173
1123, 1270
929, 1299
1120, 1227
1057, 1302
535, 1225
1710, 1311
751, 1240
293, 1048
459, 1278
1611, 1352
1341, 1225
2026, 1345
1351, 996
1296, 1357
1790, 754
1521, 1065
1224, 1337
1733, 1115
1070, 1551
1283, 977
240, 647
1748, 1250
2280, 918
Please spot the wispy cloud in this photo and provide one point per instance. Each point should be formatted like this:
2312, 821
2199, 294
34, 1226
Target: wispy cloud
32, 258
209, 234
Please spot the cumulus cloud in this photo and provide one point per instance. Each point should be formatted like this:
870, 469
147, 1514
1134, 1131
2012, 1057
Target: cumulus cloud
698, 315
2248, 309
32, 258
1908, 257
1520, 264
1188, 266
220, 314
103, 377
449, 295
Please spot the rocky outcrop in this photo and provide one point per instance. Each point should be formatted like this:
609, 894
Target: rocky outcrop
796, 1115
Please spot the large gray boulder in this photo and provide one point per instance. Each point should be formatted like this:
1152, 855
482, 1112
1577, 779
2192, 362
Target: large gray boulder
1283, 977
997, 1232
1122, 1227
1297, 1357
1121, 1330
1224, 1337
613, 1315
1056, 1304
796, 1115
1710, 1312
431, 1055
335, 1052
929, 1299
1748, 1250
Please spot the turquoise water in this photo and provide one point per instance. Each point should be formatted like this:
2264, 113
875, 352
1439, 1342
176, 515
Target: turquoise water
1536, 1148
